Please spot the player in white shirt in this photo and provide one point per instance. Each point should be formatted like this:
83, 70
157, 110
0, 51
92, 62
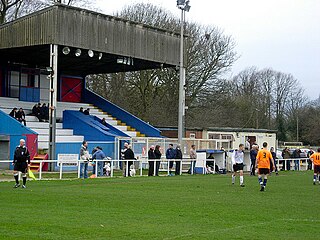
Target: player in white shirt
237, 163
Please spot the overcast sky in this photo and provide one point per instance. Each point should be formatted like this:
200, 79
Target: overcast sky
281, 34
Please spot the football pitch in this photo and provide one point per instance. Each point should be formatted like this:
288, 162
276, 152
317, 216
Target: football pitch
180, 207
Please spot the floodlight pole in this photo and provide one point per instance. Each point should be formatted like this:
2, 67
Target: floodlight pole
181, 113
53, 101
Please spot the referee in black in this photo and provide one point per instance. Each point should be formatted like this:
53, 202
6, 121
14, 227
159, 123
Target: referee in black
21, 162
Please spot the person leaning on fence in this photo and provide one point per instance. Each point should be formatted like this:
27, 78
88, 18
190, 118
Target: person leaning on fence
286, 155
237, 162
178, 156
151, 158
170, 155
21, 162
84, 156
296, 154
99, 155
193, 157
127, 154
158, 156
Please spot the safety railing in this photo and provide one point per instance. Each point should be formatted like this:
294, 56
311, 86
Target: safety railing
114, 163
293, 163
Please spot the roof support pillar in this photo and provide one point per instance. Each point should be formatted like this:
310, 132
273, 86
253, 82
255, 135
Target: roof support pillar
53, 101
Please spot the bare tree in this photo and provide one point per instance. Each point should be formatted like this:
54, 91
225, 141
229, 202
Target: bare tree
12, 9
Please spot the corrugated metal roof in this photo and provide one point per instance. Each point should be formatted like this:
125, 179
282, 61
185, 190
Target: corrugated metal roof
79, 28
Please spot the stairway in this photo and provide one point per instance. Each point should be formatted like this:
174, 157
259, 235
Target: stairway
36, 166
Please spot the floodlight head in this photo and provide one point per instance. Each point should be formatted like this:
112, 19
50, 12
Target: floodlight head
187, 7
90, 53
181, 2
100, 56
66, 50
120, 60
78, 53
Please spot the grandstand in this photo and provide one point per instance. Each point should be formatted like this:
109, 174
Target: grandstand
41, 60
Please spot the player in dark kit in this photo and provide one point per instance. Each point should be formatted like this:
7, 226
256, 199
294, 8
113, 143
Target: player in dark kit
21, 163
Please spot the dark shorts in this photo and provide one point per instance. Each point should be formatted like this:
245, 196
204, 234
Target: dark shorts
264, 171
237, 167
20, 167
316, 169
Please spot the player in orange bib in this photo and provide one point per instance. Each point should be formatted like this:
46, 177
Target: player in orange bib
264, 158
315, 158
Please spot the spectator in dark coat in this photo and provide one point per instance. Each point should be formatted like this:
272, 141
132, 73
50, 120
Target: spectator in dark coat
21, 117
296, 154
158, 156
13, 113
44, 112
310, 152
177, 156
87, 111
151, 157
36, 111
170, 155
104, 122
127, 154
286, 155
81, 110
274, 156
253, 156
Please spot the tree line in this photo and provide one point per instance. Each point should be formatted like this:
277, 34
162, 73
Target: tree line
254, 98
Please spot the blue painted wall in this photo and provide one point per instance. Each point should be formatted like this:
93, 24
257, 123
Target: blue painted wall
15, 130
121, 114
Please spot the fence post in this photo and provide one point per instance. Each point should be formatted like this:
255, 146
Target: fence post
40, 171
61, 170
79, 163
111, 168
204, 166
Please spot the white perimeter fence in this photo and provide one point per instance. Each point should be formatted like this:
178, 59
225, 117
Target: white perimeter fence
140, 164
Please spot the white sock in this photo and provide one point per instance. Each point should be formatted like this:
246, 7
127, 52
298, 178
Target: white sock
233, 179
241, 180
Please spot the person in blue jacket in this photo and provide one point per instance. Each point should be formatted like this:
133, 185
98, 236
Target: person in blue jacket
170, 154
99, 155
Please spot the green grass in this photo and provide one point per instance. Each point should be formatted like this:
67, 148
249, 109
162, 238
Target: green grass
184, 207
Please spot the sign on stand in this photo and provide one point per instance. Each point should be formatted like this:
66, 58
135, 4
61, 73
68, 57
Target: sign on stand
69, 160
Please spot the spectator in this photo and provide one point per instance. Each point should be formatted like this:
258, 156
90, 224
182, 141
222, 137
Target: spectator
170, 155
84, 156
310, 152
87, 111
127, 154
99, 155
296, 154
158, 156
44, 112
104, 122
36, 111
274, 156
193, 156
81, 110
286, 155
21, 117
253, 156
178, 156
93, 163
247, 144
13, 113
151, 158
210, 164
